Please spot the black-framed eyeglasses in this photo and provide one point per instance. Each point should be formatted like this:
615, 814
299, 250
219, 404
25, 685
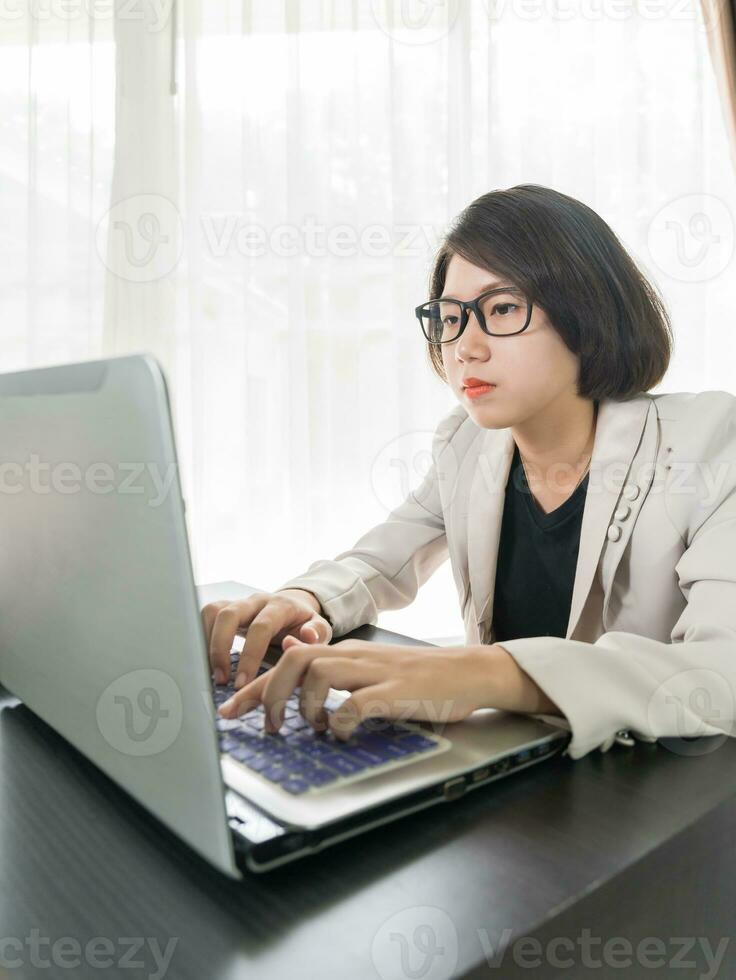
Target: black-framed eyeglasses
501, 312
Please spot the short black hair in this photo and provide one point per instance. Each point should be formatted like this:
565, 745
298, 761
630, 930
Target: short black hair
570, 263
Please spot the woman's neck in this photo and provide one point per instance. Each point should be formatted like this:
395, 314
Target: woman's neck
556, 444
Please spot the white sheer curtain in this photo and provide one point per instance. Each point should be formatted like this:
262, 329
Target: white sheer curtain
273, 221
57, 92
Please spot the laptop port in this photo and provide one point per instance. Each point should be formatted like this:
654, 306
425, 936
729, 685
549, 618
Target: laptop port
454, 788
502, 765
483, 773
294, 841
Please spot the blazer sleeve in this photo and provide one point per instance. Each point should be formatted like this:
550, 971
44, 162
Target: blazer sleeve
385, 567
682, 688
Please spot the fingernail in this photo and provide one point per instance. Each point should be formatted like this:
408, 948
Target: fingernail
226, 708
219, 676
240, 681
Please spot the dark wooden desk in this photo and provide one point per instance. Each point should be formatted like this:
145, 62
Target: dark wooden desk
633, 843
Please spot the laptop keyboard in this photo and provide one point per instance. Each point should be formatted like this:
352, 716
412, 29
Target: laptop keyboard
301, 760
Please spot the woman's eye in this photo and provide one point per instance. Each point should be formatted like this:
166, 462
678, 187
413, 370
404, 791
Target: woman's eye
504, 308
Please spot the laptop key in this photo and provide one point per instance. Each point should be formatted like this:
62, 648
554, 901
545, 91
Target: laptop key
415, 740
361, 754
296, 739
342, 764
315, 749
227, 724
302, 736
296, 723
320, 777
295, 785
386, 748
248, 738
276, 773
381, 752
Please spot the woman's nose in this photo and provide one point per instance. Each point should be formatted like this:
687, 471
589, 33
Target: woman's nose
473, 341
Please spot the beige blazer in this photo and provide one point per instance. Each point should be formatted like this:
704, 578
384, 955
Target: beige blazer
651, 639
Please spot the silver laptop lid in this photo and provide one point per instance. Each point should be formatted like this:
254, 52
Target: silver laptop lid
100, 632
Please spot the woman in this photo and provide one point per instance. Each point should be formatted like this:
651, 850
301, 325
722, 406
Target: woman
591, 527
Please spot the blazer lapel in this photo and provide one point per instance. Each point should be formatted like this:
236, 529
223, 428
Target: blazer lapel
618, 433
485, 512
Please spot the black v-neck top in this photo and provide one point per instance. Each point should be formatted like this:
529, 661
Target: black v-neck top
537, 558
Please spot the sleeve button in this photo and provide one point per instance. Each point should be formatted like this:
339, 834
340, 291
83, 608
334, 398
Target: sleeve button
614, 532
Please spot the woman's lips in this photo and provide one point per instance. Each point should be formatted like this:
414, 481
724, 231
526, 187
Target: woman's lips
476, 391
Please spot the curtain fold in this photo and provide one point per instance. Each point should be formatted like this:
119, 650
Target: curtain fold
140, 237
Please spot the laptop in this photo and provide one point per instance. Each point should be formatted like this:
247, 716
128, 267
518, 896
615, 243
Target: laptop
101, 636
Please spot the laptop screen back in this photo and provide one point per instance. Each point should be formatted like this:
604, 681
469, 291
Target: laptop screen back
100, 633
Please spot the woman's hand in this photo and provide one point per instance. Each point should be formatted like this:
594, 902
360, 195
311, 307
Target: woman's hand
386, 681
288, 616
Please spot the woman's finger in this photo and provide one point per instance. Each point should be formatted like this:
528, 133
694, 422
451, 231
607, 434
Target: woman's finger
246, 699
284, 676
263, 627
343, 674
228, 620
315, 630
208, 614
289, 672
372, 701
